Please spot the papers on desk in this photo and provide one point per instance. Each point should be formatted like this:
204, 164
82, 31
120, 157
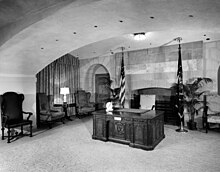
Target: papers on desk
117, 118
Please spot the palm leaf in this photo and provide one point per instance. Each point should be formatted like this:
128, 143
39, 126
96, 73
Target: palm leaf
200, 82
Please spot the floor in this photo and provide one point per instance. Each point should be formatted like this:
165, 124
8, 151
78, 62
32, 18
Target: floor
70, 148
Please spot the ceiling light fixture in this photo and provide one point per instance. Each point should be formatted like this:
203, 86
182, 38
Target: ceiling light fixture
139, 36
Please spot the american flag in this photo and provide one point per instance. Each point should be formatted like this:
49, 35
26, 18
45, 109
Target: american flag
122, 82
180, 85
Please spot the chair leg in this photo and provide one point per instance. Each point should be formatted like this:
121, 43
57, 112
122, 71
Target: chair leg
207, 126
21, 130
9, 133
30, 130
3, 133
203, 122
50, 125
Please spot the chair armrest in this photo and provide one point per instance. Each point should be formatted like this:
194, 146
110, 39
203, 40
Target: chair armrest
79, 106
56, 109
44, 112
4, 119
214, 114
29, 114
91, 104
153, 107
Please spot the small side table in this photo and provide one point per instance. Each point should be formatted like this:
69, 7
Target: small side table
65, 107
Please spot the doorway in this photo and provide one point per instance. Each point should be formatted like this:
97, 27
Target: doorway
102, 91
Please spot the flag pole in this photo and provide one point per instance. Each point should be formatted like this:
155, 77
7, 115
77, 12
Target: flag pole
179, 104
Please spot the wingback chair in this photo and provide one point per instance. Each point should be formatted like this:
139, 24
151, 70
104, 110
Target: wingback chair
46, 112
83, 104
12, 114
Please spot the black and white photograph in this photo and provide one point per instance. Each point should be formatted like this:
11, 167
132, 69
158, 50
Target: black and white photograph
110, 85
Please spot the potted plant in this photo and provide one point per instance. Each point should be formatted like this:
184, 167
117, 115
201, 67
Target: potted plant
192, 101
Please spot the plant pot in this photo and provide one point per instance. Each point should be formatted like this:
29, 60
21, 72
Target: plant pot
191, 125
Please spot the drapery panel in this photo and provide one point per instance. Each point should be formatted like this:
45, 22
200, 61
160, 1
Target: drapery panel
63, 72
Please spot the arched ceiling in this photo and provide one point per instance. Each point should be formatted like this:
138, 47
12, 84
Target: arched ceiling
34, 33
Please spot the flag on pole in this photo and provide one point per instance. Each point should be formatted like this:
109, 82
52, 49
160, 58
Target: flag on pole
180, 70
180, 85
122, 82
179, 105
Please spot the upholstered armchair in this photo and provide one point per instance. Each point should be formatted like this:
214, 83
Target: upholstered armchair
83, 104
13, 116
46, 112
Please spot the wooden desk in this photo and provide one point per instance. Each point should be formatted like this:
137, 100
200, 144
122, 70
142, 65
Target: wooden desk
137, 128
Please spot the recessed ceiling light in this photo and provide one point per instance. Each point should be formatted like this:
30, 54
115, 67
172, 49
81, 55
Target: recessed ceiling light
121, 21
42, 48
204, 35
74, 33
207, 39
57, 40
190, 15
95, 26
152, 17
139, 36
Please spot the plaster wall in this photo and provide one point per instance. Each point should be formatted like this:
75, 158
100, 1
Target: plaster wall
157, 67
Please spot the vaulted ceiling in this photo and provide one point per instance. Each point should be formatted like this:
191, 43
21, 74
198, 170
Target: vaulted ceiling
34, 33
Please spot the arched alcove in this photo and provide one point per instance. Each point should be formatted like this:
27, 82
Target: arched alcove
93, 74
90, 76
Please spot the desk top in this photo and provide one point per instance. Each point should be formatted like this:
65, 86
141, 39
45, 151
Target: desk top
131, 113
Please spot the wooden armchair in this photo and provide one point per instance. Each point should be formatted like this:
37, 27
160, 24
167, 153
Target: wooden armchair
12, 114
83, 104
46, 112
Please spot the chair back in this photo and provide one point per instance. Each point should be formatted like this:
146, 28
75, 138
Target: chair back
11, 106
43, 102
82, 98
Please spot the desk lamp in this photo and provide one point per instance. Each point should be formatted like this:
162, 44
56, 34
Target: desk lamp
64, 91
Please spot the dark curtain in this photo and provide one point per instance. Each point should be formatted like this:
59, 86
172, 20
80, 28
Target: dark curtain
63, 72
